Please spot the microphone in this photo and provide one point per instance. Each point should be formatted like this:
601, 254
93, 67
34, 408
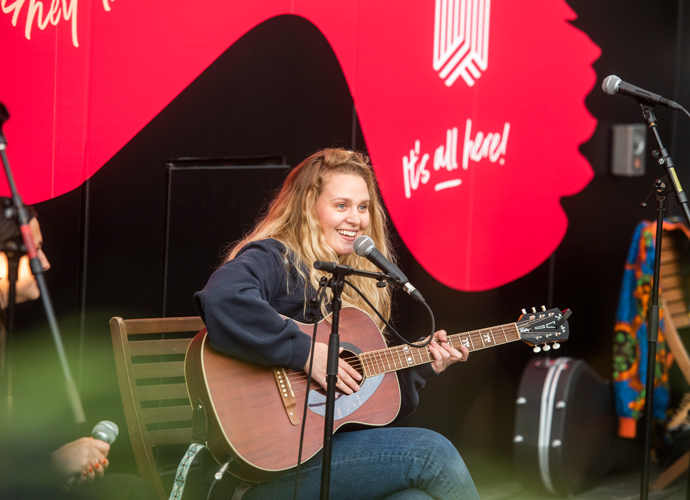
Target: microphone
331, 267
364, 247
614, 85
105, 431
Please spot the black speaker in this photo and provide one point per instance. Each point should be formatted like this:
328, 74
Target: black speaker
211, 203
628, 147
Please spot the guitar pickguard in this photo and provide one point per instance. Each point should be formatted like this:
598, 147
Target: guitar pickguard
345, 404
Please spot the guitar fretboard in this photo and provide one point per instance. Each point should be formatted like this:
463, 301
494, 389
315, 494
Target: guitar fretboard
403, 356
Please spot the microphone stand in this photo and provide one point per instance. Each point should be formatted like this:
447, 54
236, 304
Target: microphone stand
662, 157
13, 253
37, 270
337, 284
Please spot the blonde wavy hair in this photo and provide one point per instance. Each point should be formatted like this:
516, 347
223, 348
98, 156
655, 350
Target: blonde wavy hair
291, 219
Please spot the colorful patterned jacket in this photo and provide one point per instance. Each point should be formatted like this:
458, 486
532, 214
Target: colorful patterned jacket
630, 344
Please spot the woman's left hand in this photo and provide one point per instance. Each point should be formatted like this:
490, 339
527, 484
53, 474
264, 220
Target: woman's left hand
445, 354
84, 459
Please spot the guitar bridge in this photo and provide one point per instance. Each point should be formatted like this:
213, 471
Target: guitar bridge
286, 394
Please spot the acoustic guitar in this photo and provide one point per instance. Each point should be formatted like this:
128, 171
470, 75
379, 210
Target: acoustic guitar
253, 414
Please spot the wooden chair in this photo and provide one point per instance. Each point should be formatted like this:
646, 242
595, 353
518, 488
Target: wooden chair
149, 358
674, 301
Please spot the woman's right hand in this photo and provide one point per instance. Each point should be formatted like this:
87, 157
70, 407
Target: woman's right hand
348, 377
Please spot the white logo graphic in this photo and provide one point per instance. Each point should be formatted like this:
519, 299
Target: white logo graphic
461, 39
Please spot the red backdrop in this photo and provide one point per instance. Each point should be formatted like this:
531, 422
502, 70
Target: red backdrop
472, 111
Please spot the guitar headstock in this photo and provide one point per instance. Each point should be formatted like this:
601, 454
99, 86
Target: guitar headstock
544, 329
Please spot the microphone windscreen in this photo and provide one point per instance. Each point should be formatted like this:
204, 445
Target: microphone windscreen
106, 431
610, 84
363, 245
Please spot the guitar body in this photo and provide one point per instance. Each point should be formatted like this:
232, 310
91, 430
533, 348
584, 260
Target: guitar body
250, 416
247, 420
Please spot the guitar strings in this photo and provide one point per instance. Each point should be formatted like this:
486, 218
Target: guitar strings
392, 356
386, 355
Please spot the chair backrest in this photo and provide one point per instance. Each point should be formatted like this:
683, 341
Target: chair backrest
674, 298
674, 301
149, 358
674, 278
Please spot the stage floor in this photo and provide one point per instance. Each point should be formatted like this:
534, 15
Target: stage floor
618, 486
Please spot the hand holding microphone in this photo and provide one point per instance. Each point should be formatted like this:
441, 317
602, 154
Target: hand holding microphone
86, 458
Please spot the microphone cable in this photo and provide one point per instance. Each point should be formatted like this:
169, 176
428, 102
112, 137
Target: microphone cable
390, 327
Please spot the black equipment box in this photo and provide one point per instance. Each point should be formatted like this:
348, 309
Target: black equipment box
564, 426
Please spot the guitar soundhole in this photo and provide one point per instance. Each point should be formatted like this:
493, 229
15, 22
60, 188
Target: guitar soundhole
353, 360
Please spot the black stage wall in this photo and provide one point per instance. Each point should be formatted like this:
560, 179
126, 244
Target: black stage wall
119, 247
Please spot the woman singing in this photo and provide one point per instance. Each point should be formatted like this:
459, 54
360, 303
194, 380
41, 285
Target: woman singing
326, 202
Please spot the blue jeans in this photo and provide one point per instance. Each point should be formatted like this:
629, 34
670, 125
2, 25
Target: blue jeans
396, 463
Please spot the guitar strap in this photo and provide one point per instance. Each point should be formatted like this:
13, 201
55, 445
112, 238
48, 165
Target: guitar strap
199, 423
198, 444
199, 429
183, 469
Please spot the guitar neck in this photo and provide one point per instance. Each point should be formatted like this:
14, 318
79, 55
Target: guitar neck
404, 356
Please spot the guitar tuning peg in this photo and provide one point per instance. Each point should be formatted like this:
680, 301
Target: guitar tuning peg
536, 349
547, 347
543, 308
534, 309
524, 311
556, 345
